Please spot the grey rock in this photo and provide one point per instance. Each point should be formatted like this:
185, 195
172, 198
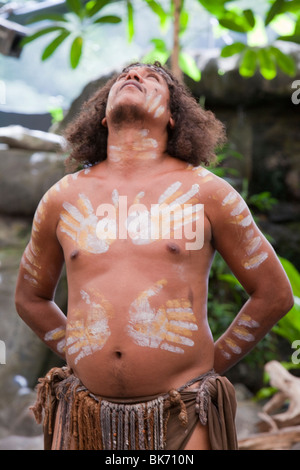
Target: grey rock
22, 443
25, 176
21, 137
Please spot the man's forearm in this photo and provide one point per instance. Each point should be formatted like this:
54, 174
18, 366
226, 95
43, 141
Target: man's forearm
253, 322
47, 320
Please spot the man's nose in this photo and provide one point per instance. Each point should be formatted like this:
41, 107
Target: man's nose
134, 75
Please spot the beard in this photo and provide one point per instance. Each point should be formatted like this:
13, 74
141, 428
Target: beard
126, 114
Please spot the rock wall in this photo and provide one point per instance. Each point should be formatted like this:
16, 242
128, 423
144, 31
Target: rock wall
25, 175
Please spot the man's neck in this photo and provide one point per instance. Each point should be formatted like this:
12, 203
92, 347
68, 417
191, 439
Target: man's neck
135, 149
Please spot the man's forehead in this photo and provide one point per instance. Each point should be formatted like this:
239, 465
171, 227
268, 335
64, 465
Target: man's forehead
151, 67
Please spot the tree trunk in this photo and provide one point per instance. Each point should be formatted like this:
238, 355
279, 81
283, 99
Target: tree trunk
176, 46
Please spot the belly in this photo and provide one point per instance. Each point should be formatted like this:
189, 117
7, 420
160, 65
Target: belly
111, 363
138, 372
139, 335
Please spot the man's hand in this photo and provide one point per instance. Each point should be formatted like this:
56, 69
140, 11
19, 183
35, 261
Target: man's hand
168, 327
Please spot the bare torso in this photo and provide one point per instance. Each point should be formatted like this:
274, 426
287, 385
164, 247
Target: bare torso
137, 320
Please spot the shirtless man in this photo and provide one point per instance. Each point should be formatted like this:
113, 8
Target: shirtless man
137, 300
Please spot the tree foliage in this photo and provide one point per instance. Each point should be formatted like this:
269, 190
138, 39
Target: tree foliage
265, 57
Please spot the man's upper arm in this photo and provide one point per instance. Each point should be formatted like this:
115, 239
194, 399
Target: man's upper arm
240, 242
42, 260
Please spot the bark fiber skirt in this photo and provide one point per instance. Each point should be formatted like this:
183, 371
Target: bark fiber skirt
85, 421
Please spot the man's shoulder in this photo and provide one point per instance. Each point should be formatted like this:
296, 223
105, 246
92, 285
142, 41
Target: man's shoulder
68, 183
209, 182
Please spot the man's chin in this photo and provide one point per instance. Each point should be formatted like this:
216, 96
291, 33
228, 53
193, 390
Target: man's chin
126, 114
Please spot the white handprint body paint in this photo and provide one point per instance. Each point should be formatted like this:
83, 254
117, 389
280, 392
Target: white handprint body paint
252, 241
80, 224
95, 231
168, 327
153, 105
244, 330
88, 330
58, 334
143, 147
31, 257
174, 211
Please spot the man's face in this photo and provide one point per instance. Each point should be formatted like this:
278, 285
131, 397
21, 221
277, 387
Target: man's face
141, 91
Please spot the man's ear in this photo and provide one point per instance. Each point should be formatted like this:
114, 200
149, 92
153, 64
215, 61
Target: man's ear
104, 122
171, 123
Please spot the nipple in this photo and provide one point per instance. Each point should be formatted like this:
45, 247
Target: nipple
173, 248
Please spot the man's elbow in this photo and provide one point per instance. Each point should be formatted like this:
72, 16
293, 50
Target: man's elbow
284, 300
22, 301
289, 302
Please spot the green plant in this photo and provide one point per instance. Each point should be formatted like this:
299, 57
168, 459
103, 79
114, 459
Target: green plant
57, 114
75, 25
226, 295
289, 326
254, 50
255, 53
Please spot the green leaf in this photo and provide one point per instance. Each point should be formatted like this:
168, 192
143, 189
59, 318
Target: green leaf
215, 7
161, 55
291, 6
130, 21
285, 62
265, 392
46, 17
289, 325
94, 6
159, 44
275, 9
291, 38
267, 65
75, 6
235, 22
293, 275
41, 32
160, 52
184, 19
248, 63
108, 19
158, 10
48, 51
248, 14
189, 66
232, 25
232, 49
76, 51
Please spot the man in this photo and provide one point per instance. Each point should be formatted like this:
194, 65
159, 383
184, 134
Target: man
137, 228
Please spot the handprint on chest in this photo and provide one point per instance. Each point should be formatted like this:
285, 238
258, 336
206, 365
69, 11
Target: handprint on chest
176, 214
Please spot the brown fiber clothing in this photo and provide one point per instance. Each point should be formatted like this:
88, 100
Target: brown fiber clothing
88, 422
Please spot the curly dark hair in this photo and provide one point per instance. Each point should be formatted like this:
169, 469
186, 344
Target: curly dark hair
194, 138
